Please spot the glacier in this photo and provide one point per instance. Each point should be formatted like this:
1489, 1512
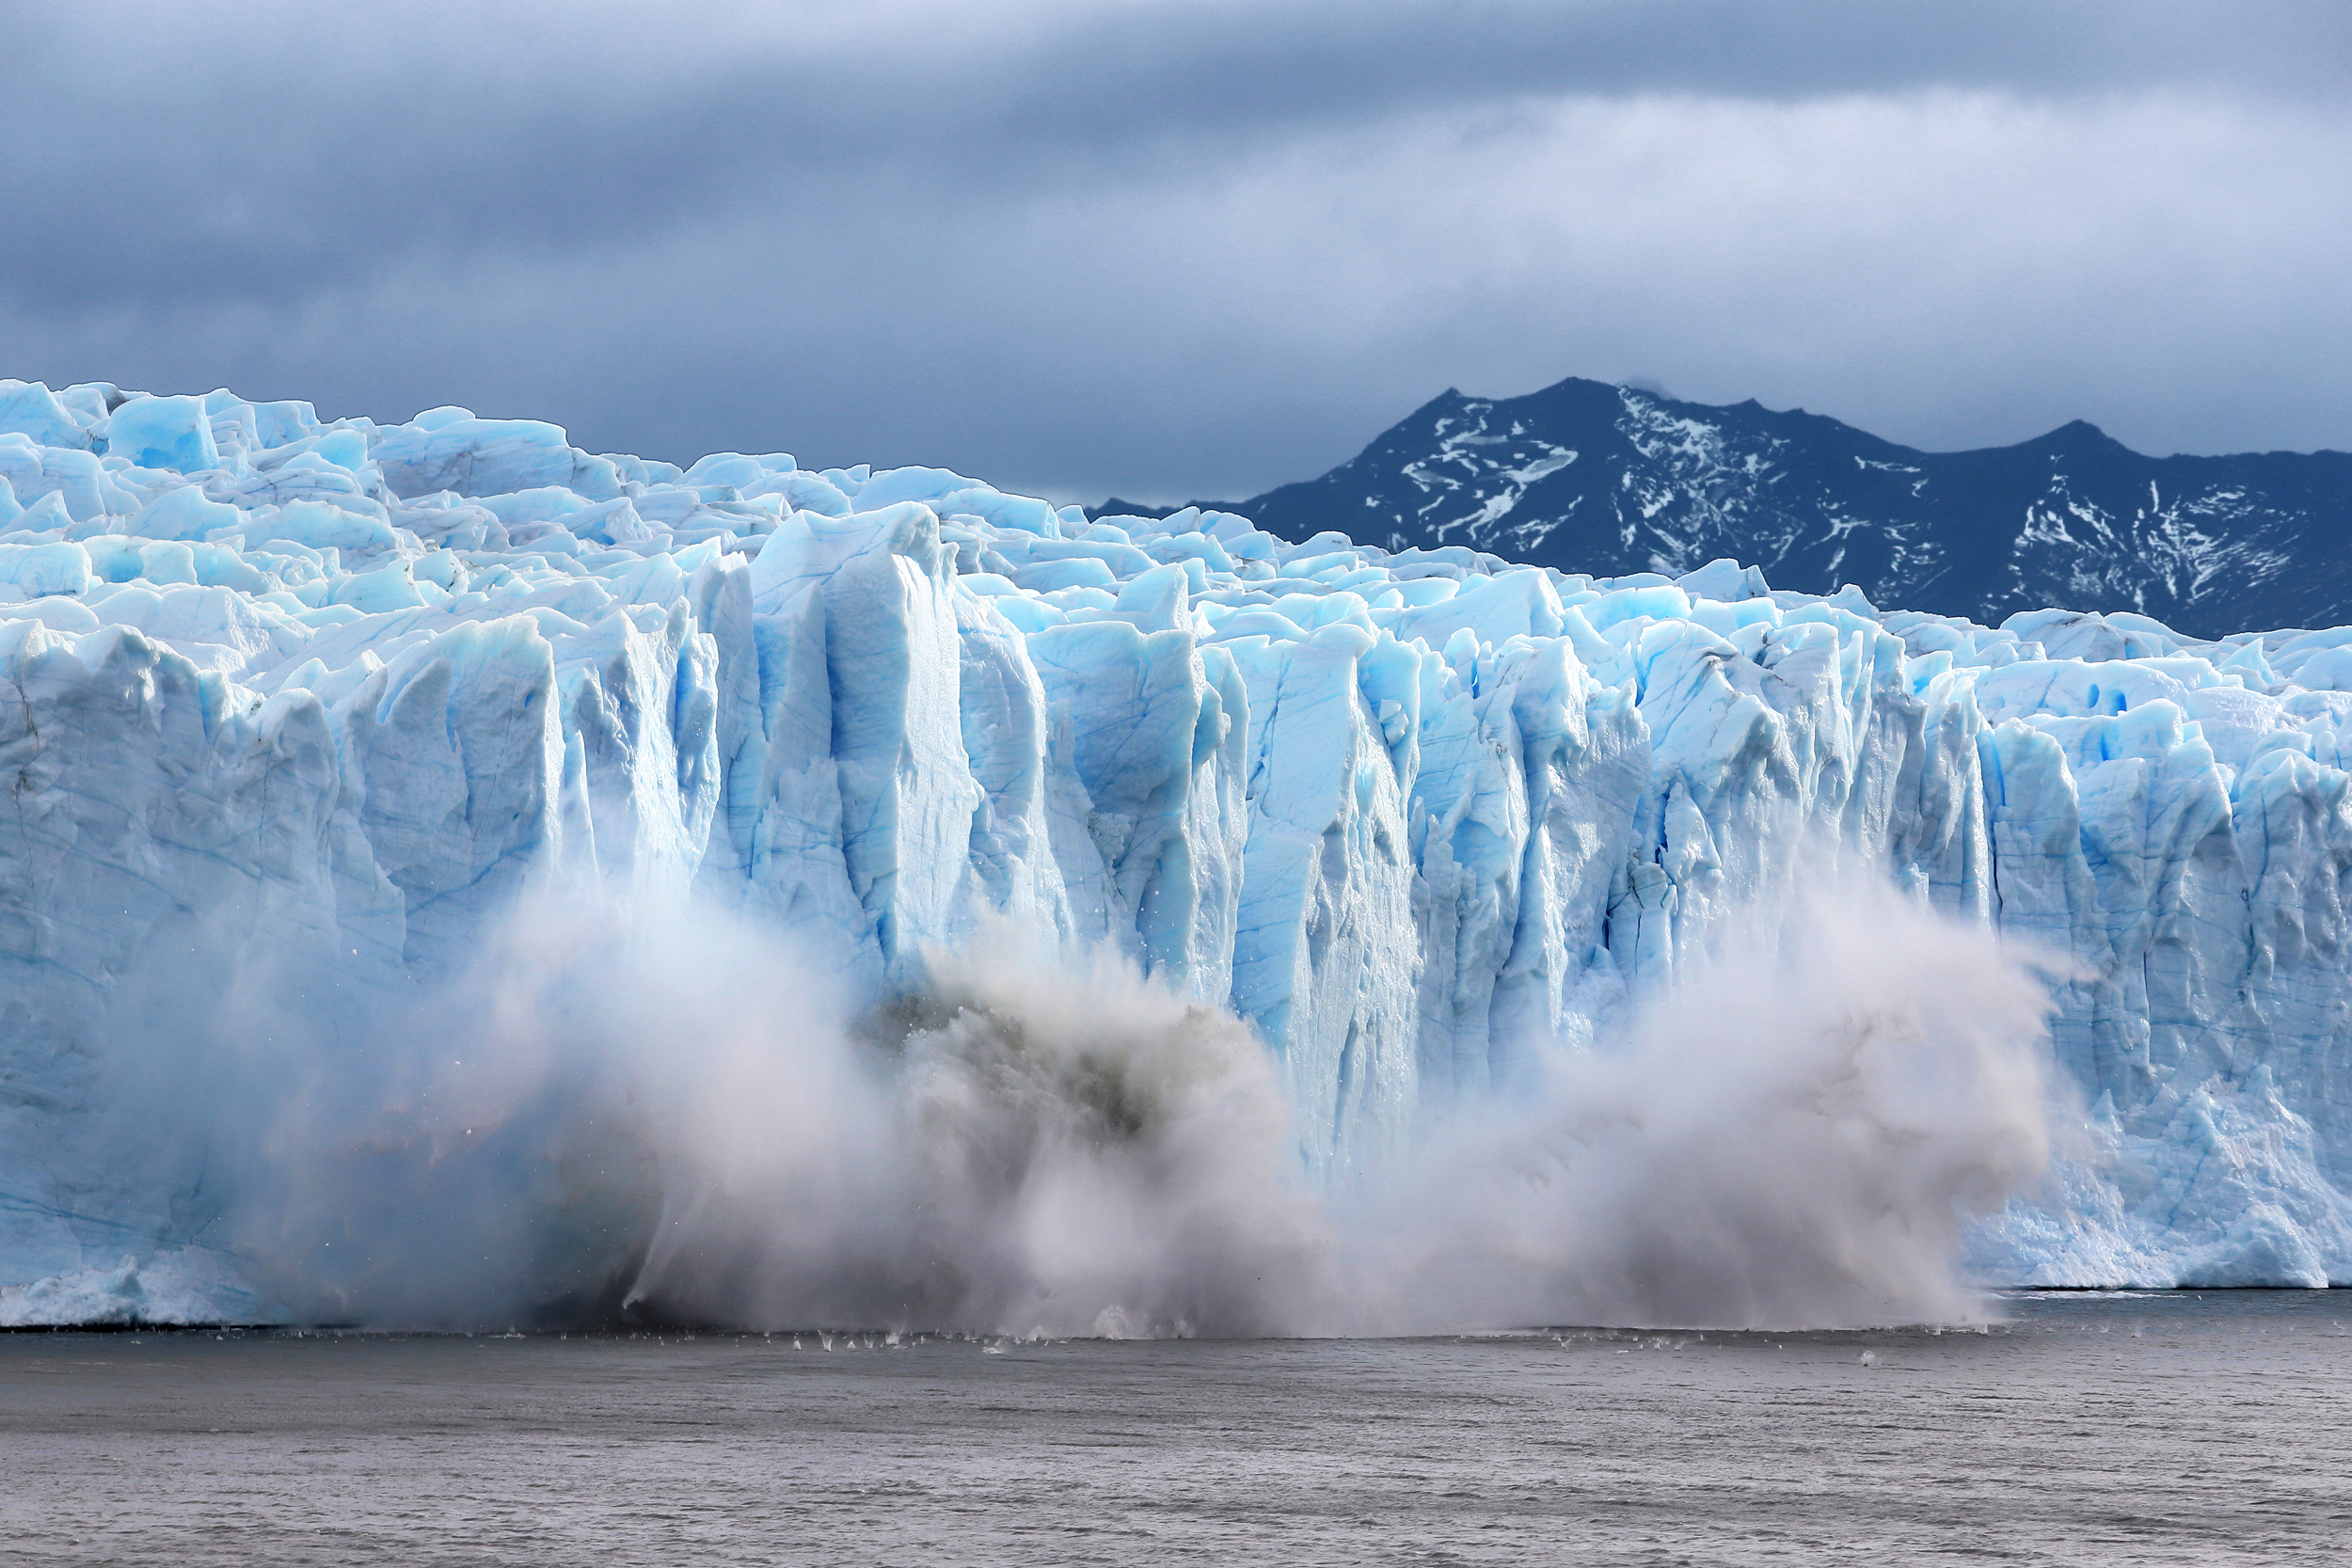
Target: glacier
318, 699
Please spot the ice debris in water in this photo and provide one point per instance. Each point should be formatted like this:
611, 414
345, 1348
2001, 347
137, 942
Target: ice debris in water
1412, 815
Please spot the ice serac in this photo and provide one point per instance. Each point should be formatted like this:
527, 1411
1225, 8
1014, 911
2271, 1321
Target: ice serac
300, 705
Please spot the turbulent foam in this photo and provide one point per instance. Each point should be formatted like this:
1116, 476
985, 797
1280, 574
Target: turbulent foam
299, 710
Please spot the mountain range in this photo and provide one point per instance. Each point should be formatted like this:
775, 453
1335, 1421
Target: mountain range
1608, 480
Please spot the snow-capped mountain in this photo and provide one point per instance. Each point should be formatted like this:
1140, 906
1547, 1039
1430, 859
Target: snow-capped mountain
1613, 480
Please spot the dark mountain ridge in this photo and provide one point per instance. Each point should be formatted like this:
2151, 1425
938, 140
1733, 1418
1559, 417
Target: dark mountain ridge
1606, 480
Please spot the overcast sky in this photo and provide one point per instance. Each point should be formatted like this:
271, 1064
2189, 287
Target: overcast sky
1175, 249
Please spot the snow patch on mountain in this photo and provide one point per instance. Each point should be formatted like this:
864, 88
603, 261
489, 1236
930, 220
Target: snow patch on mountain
2214, 544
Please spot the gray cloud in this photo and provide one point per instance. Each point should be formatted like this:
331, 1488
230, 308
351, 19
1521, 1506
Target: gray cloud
1190, 248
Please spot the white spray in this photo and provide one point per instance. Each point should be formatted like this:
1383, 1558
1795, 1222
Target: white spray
1790, 1138
673, 1117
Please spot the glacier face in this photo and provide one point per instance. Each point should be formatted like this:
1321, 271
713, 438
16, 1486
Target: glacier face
316, 700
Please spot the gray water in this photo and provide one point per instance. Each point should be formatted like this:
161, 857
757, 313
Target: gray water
2087, 1429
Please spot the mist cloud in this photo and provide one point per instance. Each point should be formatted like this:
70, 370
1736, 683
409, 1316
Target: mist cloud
667, 1115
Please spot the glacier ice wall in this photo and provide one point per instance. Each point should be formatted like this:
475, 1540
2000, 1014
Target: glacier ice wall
314, 700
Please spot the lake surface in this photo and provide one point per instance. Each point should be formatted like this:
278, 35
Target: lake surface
2174, 1428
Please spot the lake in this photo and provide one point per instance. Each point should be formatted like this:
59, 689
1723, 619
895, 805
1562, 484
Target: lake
2086, 1429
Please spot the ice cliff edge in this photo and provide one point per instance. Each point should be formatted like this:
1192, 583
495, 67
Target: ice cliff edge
1407, 813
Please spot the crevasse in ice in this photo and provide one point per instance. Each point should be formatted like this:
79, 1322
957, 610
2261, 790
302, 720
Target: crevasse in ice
1410, 815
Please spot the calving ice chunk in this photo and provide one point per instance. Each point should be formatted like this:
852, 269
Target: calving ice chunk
294, 709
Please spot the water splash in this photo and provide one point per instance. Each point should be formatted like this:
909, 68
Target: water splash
675, 1118
1792, 1137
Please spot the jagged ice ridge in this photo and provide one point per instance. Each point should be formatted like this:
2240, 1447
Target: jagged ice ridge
1408, 814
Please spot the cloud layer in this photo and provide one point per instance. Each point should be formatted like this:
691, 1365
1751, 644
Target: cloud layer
1177, 249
